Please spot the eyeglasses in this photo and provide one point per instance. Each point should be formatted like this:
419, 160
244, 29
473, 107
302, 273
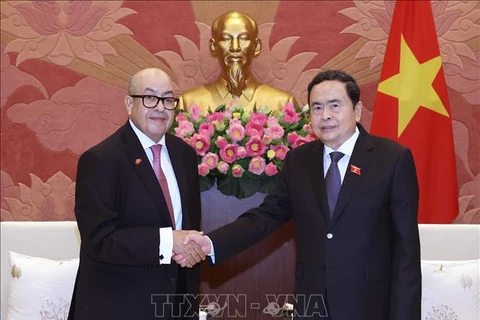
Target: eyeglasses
149, 101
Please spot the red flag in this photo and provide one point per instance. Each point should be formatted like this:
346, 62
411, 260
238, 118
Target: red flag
412, 108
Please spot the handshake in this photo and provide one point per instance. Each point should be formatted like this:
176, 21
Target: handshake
190, 247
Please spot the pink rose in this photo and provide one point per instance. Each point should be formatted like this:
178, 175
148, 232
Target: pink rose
236, 132
200, 143
253, 129
211, 160
289, 114
292, 137
237, 171
185, 128
307, 128
259, 118
255, 147
241, 152
216, 116
221, 142
223, 167
203, 169
206, 129
272, 122
274, 130
271, 169
195, 112
180, 117
280, 151
234, 121
229, 153
266, 140
256, 165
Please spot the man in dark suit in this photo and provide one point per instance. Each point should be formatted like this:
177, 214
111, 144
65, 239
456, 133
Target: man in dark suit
136, 194
354, 198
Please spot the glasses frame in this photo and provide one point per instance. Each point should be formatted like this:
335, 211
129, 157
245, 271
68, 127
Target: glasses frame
142, 96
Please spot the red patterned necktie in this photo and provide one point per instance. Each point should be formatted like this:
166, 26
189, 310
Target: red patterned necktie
162, 180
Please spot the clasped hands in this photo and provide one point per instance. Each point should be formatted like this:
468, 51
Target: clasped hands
189, 247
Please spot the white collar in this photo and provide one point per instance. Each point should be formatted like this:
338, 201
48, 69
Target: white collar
346, 148
144, 139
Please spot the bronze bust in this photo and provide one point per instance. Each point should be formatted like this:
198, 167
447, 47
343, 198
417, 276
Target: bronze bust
235, 43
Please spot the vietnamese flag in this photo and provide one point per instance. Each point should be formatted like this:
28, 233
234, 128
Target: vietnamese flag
412, 108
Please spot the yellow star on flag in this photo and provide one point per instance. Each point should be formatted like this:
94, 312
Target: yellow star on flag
413, 86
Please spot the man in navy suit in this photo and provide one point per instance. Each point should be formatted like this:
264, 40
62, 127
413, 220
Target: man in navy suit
354, 199
136, 194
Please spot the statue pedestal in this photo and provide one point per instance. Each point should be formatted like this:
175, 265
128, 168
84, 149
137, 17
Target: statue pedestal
265, 268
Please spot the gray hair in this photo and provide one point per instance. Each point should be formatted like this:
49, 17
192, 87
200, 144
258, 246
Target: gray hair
132, 86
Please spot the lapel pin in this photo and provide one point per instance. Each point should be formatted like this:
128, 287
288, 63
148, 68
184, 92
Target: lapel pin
138, 161
355, 170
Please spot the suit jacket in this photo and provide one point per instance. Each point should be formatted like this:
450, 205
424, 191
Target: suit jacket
120, 207
367, 257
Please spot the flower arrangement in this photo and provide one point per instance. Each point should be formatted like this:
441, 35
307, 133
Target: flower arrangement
242, 151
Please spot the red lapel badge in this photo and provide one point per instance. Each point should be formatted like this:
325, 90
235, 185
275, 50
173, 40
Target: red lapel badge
138, 161
355, 170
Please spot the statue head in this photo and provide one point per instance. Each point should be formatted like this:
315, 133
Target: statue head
235, 43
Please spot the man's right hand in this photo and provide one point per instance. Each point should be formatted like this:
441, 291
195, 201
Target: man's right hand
197, 239
190, 251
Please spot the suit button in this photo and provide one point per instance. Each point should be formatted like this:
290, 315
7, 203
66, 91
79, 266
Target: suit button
173, 280
329, 236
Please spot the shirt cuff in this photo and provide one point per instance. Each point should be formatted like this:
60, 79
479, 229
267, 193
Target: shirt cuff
166, 245
211, 254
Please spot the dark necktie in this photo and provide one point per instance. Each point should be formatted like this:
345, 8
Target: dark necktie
157, 167
333, 181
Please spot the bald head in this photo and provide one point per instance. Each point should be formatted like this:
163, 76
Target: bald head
134, 84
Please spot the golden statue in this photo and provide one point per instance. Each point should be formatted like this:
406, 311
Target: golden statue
235, 43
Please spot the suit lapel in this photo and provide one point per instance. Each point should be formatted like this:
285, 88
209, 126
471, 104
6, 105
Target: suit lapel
318, 180
361, 158
179, 167
140, 163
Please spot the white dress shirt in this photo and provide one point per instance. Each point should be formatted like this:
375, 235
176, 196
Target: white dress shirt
166, 234
347, 149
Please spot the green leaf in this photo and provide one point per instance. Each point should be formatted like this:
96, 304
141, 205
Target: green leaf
293, 126
238, 187
220, 108
206, 183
